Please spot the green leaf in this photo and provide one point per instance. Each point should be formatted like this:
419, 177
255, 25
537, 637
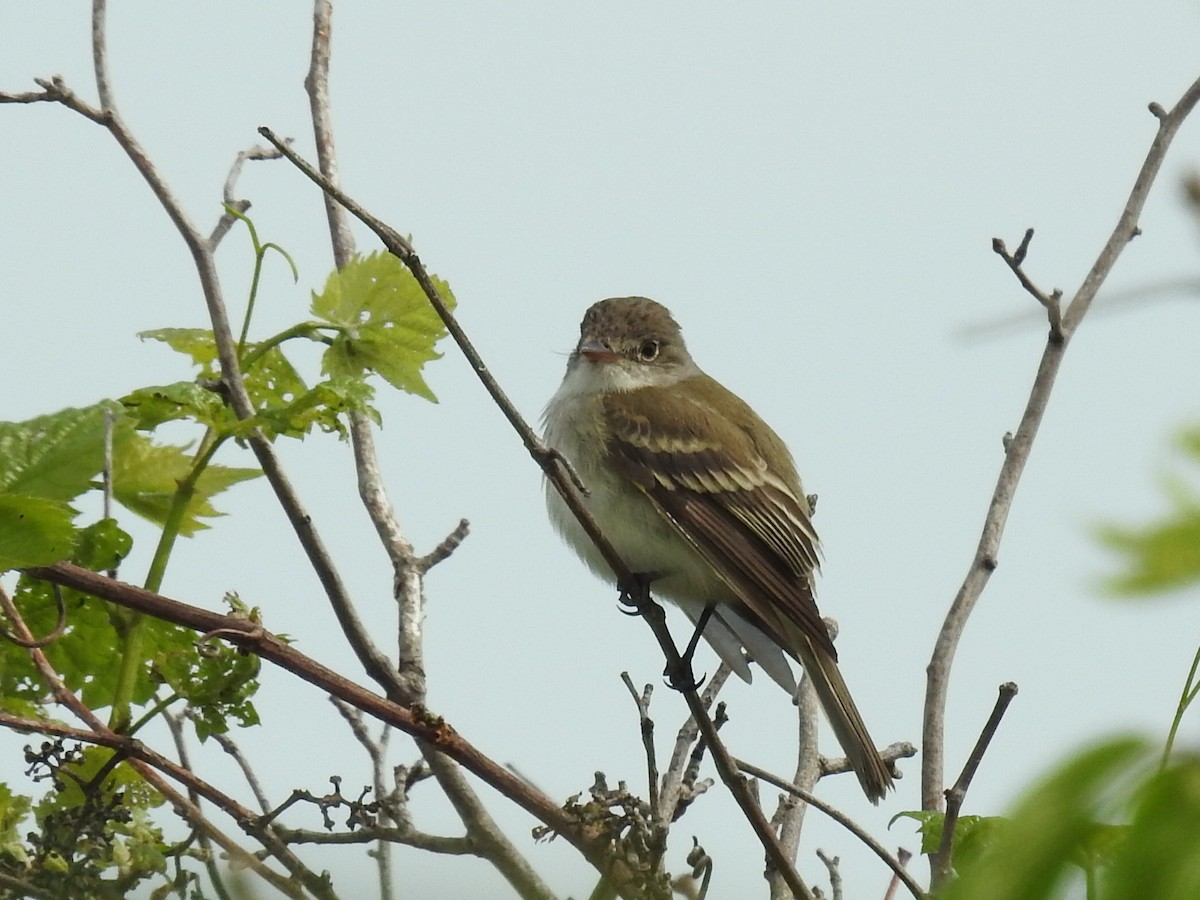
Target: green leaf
218, 685
1048, 834
34, 531
55, 456
14, 809
385, 323
321, 407
147, 475
101, 545
152, 406
1159, 855
975, 835
271, 381
929, 824
1163, 555
195, 343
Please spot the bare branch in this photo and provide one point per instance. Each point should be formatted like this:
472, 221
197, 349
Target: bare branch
1052, 301
230, 747
55, 90
446, 548
838, 816
175, 726
232, 202
789, 814
902, 856
409, 686
836, 765
642, 701
943, 860
100, 55
833, 866
1017, 454
679, 785
407, 584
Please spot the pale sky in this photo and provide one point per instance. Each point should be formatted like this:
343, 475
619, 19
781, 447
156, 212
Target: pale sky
813, 190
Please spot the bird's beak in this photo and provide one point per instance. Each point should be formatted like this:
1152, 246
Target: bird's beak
596, 351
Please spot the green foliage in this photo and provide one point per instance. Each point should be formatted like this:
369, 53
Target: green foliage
45, 463
88, 654
34, 531
217, 682
147, 476
54, 457
1131, 828
270, 378
972, 834
323, 407
1163, 555
152, 406
384, 322
13, 810
95, 837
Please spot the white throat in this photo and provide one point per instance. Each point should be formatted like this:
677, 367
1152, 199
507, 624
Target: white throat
585, 377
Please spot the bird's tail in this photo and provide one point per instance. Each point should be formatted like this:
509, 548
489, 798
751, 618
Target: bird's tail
848, 726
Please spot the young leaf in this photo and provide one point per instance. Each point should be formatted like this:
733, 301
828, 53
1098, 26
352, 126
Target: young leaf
55, 456
146, 477
321, 407
196, 343
152, 406
385, 323
271, 381
34, 531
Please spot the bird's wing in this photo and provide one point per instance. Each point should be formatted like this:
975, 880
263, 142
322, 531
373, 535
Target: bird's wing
709, 481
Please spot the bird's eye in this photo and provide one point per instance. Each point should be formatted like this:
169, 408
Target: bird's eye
648, 351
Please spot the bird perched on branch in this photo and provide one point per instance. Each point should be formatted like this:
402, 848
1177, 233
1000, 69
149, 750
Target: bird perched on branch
697, 494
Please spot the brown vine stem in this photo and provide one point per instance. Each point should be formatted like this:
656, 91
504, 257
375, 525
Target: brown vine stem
1018, 448
417, 722
557, 473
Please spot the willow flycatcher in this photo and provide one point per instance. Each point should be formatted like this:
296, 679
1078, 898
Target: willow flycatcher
697, 493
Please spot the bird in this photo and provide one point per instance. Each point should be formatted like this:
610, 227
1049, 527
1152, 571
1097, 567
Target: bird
699, 496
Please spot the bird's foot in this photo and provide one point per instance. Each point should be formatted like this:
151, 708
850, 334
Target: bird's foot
635, 592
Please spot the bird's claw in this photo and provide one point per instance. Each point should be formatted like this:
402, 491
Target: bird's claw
680, 678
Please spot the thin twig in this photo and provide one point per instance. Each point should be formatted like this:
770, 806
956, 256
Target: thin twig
1052, 302
1017, 454
209, 860
551, 465
646, 726
486, 836
678, 789
227, 744
903, 855
841, 818
942, 861
836, 765
833, 866
446, 547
